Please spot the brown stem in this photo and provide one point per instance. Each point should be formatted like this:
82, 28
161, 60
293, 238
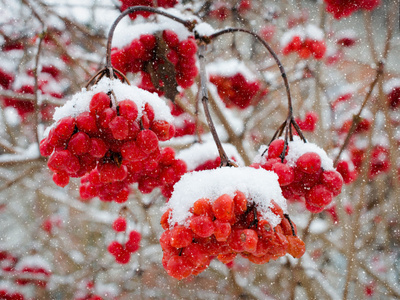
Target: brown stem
37, 118
273, 54
357, 117
203, 95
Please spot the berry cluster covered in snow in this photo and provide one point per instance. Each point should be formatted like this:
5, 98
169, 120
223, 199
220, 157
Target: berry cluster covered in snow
305, 174
307, 41
109, 136
228, 211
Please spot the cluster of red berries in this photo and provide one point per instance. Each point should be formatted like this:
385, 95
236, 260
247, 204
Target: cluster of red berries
125, 4
108, 146
184, 123
10, 295
122, 252
237, 91
221, 10
304, 179
144, 53
347, 170
224, 228
392, 91
379, 163
309, 123
306, 42
343, 8
32, 270
48, 76
28, 270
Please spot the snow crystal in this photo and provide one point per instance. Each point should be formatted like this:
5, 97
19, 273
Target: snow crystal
228, 68
297, 148
258, 185
80, 101
204, 29
198, 154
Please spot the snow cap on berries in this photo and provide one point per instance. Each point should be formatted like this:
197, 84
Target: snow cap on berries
258, 185
198, 154
35, 262
122, 91
126, 32
297, 148
230, 67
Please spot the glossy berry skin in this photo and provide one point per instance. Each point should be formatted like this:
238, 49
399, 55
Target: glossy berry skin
319, 195
309, 163
223, 208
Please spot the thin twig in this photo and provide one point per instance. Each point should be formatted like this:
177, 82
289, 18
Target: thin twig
203, 95
357, 117
37, 105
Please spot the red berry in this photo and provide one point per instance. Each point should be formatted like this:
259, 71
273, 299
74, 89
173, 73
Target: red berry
222, 230
162, 130
61, 178
179, 267
119, 224
170, 38
202, 207
79, 144
98, 148
128, 109
181, 237
223, 208
147, 141
276, 148
240, 203
86, 122
333, 181
319, 195
284, 172
309, 163
114, 248
119, 128
99, 103
202, 226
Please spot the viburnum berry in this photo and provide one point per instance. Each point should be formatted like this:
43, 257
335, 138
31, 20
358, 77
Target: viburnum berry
309, 163
119, 224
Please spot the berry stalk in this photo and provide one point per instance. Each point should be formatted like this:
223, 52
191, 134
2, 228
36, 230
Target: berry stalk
203, 95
